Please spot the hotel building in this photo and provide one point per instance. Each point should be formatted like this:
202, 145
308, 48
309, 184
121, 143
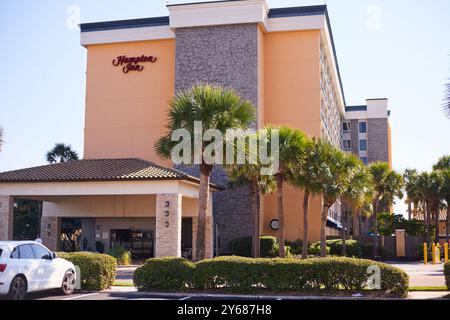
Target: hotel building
282, 59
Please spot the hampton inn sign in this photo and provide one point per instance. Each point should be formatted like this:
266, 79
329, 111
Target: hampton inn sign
132, 63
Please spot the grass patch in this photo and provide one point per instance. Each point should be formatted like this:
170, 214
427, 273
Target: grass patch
438, 288
123, 284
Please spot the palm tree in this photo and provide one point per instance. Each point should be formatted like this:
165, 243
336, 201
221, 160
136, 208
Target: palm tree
307, 176
61, 153
340, 167
445, 192
249, 173
410, 177
357, 194
291, 152
387, 185
216, 108
443, 163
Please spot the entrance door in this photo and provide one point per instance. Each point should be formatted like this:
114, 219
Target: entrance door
139, 242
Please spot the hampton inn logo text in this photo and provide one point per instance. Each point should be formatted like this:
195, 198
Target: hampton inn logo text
132, 63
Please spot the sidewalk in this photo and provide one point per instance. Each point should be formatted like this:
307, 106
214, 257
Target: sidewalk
421, 275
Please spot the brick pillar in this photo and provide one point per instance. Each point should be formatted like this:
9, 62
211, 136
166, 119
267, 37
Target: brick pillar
168, 225
50, 232
400, 242
6, 217
209, 252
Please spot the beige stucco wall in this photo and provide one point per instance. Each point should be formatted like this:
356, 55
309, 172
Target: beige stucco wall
292, 97
126, 112
112, 206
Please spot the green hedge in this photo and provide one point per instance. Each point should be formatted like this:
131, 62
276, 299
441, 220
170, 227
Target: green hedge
243, 275
98, 271
167, 274
269, 248
447, 274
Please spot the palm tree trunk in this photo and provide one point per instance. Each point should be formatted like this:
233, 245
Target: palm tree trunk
255, 212
200, 248
280, 215
344, 234
375, 229
305, 224
436, 223
447, 222
409, 210
323, 231
427, 224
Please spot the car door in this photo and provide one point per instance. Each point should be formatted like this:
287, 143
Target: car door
48, 273
28, 266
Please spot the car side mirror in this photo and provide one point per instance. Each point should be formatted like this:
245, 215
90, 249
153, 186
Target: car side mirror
48, 257
54, 255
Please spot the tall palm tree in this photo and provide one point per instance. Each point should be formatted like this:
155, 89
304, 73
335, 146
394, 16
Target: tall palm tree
250, 173
340, 167
61, 153
357, 194
291, 152
388, 184
307, 176
443, 163
410, 177
445, 192
216, 108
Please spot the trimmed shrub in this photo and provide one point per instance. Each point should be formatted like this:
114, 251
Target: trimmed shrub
167, 274
98, 271
122, 255
242, 247
296, 246
447, 274
353, 247
314, 248
243, 275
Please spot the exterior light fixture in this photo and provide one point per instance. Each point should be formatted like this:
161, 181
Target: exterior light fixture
167, 224
167, 204
274, 224
166, 213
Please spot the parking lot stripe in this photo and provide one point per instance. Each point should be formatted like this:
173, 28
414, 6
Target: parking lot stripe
81, 296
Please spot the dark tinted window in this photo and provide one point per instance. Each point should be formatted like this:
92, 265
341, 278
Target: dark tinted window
15, 253
363, 145
363, 127
26, 252
1, 251
39, 251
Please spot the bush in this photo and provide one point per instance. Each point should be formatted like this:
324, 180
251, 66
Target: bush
98, 271
353, 247
314, 249
167, 274
296, 246
268, 245
122, 255
447, 274
242, 275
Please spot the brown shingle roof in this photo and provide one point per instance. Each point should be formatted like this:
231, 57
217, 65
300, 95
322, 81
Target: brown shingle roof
97, 170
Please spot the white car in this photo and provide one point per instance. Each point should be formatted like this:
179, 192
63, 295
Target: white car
27, 266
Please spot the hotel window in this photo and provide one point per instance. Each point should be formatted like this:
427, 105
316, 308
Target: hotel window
363, 145
346, 126
363, 127
347, 145
365, 160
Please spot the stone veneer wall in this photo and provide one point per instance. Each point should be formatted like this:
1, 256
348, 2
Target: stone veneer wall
6, 218
168, 227
226, 55
50, 231
377, 140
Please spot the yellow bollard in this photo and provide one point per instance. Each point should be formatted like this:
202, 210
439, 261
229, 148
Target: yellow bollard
433, 253
425, 253
446, 252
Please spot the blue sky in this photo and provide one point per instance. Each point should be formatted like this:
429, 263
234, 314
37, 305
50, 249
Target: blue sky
396, 49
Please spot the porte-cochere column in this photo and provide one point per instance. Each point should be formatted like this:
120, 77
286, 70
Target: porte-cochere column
168, 225
6, 217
